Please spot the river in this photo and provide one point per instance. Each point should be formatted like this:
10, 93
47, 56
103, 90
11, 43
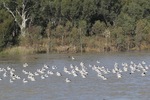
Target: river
53, 87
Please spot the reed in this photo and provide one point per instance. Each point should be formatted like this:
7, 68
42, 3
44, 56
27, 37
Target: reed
18, 51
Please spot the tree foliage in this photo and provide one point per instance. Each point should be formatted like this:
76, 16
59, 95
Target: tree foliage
129, 20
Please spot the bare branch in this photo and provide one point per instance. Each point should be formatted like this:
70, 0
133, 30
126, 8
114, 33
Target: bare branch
27, 19
27, 15
11, 13
18, 12
23, 8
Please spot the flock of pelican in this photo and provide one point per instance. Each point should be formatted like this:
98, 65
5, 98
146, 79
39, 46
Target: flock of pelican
81, 70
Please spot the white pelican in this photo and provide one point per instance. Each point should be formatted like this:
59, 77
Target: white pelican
42, 77
67, 80
125, 69
143, 62
97, 61
50, 72
11, 81
45, 66
143, 74
45, 75
146, 67
104, 78
36, 74
54, 67
8, 68
119, 75
4, 75
25, 65
72, 58
58, 74
25, 72
24, 80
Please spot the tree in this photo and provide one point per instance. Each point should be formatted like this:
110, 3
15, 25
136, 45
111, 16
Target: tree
6, 26
20, 12
82, 32
142, 32
98, 28
89, 9
60, 33
71, 9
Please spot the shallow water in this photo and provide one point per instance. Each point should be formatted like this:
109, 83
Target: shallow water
129, 87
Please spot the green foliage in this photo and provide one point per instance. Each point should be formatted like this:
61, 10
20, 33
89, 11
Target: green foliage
71, 21
59, 31
5, 28
126, 22
89, 9
98, 28
32, 38
74, 35
142, 30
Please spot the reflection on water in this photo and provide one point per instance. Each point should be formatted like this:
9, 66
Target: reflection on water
129, 87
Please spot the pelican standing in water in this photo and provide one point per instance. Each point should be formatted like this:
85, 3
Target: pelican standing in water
25, 65
68, 80
25, 81
72, 58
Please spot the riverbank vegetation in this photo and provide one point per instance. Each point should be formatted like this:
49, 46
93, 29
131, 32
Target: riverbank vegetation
40, 26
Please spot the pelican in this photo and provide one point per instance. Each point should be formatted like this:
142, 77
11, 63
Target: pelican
125, 69
83, 76
17, 77
72, 58
71, 66
58, 74
46, 75
143, 62
146, 67
113, 71
42, 77
4, 75
31, 78
24, 80
67, 80
25, 65
25, 72
90, 65
8, 68
50, 72
104, 78
11, 81
36, 74
97, 61
81, 64
54, 67
143, 74
119, 75
45, 66
40, 71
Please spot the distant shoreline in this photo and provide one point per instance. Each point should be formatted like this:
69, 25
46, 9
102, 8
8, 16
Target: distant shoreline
62, 50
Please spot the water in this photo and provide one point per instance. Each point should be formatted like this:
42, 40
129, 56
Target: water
129, 87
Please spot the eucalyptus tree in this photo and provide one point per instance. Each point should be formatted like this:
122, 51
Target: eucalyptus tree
20, 11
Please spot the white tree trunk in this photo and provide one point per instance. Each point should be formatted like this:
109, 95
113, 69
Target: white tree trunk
23, 25
22, 15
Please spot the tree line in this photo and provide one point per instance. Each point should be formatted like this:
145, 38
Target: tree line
75, 25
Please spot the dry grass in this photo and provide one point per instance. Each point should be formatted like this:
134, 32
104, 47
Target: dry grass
94, 44
18, 51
